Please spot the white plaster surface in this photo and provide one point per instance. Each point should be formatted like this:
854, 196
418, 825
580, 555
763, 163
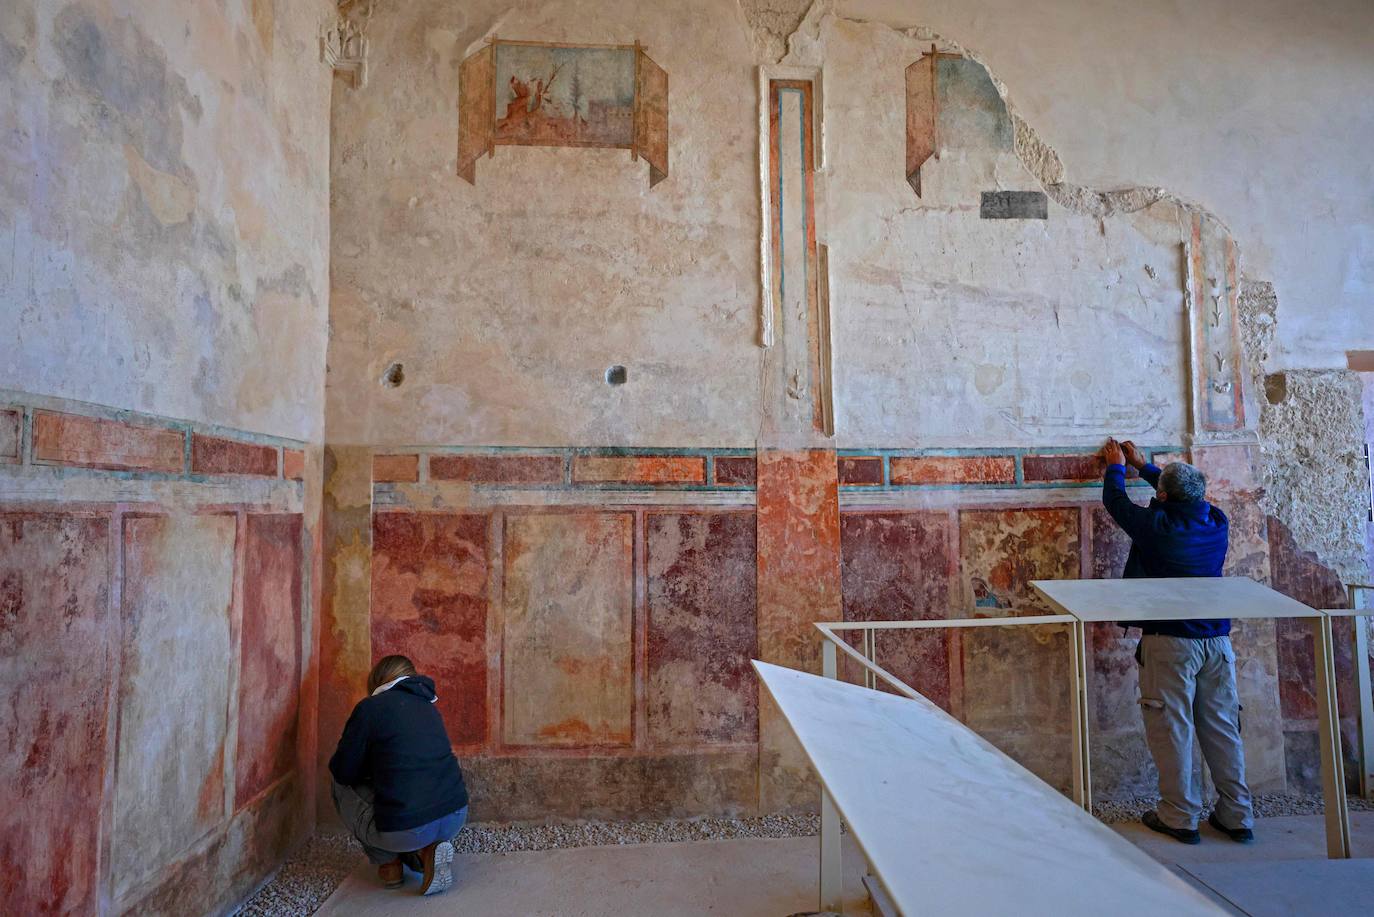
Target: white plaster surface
1170, 599
1258, 111
164, 194
952, 825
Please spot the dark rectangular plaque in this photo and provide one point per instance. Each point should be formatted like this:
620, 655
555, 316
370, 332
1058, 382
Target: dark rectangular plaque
1014, 205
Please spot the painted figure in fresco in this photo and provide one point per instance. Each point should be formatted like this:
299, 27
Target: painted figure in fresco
397, 785
984, 597
1187, 668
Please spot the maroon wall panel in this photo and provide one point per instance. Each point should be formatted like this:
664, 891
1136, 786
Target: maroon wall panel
54, 698
897, 567
429, 602
702, 628
269, 683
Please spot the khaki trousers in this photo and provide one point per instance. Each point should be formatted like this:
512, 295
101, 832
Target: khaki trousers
1187, 689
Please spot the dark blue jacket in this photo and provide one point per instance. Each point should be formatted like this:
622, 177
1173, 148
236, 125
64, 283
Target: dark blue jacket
395, 743
1169, 539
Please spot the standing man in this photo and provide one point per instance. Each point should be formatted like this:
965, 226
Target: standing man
1187, 668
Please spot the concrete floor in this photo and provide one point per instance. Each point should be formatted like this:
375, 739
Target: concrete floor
1284, 874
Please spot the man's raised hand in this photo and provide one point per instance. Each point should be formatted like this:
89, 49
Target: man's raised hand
1134, 457
1112, 454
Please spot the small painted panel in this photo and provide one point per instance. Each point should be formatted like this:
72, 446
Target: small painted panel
548, 95
293, 464
953, 469
429, 602
702, 628
898, 567
270, 653
1003, 550
639, 469
54, 696
1014, 678
174, 689
11, 422
497, 469
861, 470
214, 455
734, 470
568, 643
1014, 205
400, 469
90, 442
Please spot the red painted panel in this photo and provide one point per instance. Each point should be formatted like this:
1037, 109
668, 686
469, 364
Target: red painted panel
702, 628
953, 469
429, 602
896, 567
70, 439
1300, 575
293, 464
1037, 469
269, 683
639, 469
735, 469
54, 697
866, 470
213, 455
400, 469
11, 420
497, 469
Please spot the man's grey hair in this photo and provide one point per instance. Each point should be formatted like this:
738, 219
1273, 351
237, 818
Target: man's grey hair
1183, 483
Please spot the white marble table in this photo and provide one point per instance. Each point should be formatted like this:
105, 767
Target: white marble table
1179, 599
951, 825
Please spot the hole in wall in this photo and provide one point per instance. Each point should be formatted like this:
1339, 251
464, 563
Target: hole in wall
616, 375
1276, 387
393, 377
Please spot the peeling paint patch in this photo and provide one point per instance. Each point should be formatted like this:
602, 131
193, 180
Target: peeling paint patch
54, 632
702, 628
429, 602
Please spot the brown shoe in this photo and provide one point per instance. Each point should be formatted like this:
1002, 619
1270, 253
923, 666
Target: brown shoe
391, 874
437, 859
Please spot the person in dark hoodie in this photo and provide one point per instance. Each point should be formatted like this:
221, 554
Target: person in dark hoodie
1187, 668
397, 785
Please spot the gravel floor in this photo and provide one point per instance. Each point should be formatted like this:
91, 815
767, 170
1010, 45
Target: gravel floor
312, 874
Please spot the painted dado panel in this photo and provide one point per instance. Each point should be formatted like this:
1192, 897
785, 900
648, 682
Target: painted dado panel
429, 602
899, 567
702, 628
568, 643
174, 689
1013, 678
270, 653
54, 698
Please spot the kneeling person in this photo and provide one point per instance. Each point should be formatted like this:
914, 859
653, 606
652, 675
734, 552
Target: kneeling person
397, 785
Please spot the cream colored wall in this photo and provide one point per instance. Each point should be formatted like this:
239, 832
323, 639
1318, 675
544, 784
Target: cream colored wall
1257, 111
164, 182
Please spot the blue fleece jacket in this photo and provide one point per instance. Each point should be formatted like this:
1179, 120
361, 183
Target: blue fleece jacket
1169, 539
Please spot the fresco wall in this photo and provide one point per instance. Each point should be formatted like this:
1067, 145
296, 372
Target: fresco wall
594, 443
164, 229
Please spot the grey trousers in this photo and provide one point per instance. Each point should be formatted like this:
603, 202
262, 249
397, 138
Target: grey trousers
1188, 688
354, 805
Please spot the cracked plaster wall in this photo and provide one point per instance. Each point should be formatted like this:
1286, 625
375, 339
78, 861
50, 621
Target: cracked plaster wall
163, 208
1257, 112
